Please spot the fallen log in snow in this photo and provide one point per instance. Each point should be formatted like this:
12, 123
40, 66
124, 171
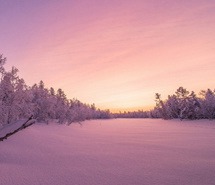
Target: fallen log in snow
11, 129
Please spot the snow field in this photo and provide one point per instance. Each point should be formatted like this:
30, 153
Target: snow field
111, 152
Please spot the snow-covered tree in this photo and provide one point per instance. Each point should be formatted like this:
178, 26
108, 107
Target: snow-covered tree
14, 99
161, 106
185, 105
208, 104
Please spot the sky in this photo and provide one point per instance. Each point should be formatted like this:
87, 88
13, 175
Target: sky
114, 53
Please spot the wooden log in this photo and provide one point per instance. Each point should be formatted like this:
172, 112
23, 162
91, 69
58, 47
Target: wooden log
23, 126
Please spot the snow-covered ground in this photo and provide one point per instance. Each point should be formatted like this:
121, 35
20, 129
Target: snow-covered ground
111, 152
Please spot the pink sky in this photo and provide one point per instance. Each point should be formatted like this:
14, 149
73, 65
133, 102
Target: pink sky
114, 53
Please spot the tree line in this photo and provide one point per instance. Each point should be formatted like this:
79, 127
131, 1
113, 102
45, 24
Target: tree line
187, 105
181, 105
19, 101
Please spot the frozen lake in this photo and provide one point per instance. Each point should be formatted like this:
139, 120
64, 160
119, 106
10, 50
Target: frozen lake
111, 152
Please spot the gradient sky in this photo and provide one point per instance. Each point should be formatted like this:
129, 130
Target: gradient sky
114, 53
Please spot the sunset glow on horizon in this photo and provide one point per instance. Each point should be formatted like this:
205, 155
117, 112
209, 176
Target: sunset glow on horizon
116, 54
